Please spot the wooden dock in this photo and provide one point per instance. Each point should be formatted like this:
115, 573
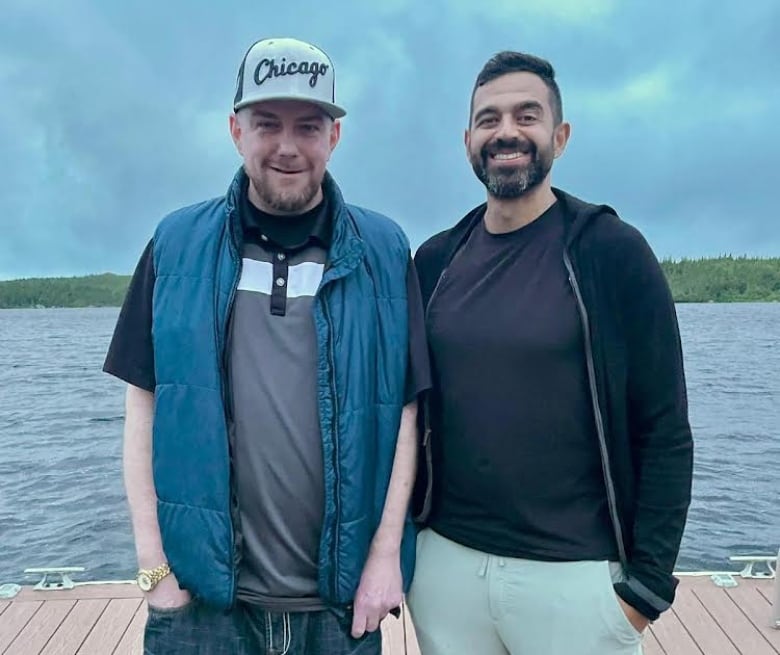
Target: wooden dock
108, 619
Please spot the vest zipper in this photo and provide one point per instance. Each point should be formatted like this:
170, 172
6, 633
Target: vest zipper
608, 481
334, 427
227, 399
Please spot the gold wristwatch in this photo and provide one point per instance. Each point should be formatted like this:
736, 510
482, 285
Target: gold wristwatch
148, 579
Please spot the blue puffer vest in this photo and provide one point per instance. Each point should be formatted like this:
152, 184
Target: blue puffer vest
361, 320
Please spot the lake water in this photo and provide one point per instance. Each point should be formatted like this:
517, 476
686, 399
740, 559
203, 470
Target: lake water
61, 495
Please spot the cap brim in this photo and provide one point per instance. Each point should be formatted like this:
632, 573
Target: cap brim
334, 111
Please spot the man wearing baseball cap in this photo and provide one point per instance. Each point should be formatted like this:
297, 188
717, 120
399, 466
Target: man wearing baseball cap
274, 349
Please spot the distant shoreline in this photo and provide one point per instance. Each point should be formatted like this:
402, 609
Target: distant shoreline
106, 290
711, 280
724, 279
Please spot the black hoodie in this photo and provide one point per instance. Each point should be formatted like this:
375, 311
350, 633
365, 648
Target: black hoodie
637, 384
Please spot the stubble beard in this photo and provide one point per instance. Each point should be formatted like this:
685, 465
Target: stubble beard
285, 201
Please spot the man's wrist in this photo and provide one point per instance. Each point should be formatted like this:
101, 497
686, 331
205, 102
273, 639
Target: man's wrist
386, 542
637, 602
383, 545
148, 579
150, 554
384, 551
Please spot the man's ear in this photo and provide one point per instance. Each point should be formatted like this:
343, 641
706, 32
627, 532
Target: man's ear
235, 131
335, 134
561, 138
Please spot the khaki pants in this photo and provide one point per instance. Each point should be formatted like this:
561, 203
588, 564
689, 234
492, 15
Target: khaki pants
465, 602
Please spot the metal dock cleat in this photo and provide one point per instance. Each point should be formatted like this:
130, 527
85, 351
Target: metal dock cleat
55, 578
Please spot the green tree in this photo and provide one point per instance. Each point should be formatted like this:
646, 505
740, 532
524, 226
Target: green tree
106, 290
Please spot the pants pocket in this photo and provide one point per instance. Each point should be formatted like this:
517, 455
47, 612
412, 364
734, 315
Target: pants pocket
168, 629
333, 635
421, 536
169, 611
616, 619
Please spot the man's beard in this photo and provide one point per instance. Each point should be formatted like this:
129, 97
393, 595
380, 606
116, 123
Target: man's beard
288, 201
512, 182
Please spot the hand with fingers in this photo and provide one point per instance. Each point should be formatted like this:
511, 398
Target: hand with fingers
380, 591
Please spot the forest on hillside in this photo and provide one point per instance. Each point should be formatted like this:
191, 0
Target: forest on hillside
721, 279
724, 279
106, 290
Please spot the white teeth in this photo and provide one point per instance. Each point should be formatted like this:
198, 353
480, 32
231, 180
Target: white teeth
512, 155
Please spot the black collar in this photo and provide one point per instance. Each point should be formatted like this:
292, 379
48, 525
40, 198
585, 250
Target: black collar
286, 231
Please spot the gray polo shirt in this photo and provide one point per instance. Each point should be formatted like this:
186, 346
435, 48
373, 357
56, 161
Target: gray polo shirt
277, 446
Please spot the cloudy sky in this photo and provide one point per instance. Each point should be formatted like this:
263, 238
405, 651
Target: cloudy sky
114, 113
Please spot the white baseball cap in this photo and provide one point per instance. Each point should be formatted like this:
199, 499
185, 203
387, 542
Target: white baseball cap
287, 69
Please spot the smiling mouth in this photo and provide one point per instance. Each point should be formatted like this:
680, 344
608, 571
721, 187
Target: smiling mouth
507, 156
286, 172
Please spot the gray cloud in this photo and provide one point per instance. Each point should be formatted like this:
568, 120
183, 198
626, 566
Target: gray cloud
115, 114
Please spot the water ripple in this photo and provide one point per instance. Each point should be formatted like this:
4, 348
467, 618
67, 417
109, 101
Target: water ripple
61, 495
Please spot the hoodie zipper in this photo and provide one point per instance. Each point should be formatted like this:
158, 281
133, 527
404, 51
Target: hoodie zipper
433, 293
427, 430
610, 485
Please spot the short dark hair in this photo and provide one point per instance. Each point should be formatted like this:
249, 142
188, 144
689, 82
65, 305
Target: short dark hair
510, 61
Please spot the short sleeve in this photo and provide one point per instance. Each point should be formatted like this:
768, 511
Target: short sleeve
131, 353
418, 375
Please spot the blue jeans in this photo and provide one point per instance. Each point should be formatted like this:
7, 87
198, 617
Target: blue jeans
197, 629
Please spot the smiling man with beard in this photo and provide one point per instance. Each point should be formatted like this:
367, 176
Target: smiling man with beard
561, 451
274, 347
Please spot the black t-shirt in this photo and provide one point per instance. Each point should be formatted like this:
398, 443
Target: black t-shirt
517, 466
131, 354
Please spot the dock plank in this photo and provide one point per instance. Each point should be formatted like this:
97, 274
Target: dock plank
650, 645
110, 627
698, 622
736, 624
394, 640
767, 592
74, 629
39, 630
14, 620
673, 637
109, 620
132, 642
107, 591
749, 600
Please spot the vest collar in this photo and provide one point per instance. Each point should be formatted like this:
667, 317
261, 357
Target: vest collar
347, 249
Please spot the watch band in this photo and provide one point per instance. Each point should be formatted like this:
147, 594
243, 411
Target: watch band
148, 579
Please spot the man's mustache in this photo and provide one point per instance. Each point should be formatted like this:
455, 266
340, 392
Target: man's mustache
508, 145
